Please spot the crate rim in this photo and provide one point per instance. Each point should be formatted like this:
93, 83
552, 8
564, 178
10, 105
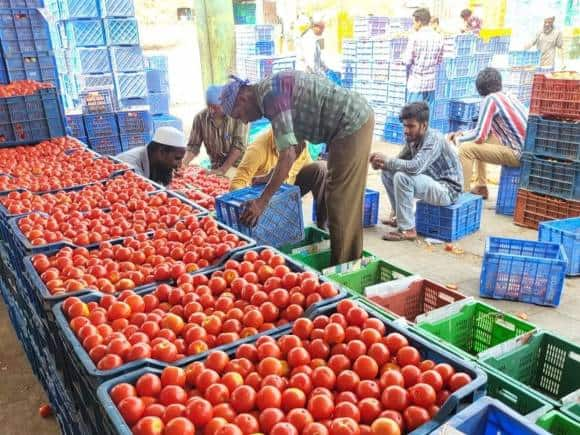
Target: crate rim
563, 258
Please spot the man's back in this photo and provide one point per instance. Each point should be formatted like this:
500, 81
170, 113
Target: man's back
423, 54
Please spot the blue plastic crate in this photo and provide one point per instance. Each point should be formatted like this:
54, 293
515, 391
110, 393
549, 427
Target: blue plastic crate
452, 222
264, 48
86, 82
166, 121
78, 9
157, 80
461, 125
281, 223
41, 68
523, 270
456, 88
460, 66
133, 103
85, 33
127, 59
134, 121
465, 44
131, 85
499, 44
370, 211
117, 8
440, 110
110, 145
76, 125
524, 58
465, 109
100, 125
159, 103
508, 190
566, 232
490, 416
129, 141
443, 125
23, 31
121, 31
553, 138
92, 61
394, 133
551, 177
159, 62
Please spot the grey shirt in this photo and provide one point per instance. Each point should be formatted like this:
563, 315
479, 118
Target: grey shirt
547, 44
138, 159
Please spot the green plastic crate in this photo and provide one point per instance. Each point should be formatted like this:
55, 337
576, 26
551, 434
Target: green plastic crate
572, 410
312, 235
516, 396
470, 328
373, 273
319, 260
545, 363
558, 424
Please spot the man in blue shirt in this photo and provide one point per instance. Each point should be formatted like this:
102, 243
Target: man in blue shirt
428, 168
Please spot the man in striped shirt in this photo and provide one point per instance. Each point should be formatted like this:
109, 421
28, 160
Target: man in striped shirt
499, 135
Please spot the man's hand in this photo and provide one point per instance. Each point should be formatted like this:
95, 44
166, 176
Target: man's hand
219, 171
454, 137
263, 179
377, 161
252, 211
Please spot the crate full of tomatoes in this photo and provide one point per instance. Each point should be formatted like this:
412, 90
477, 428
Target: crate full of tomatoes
345, 370
201, 186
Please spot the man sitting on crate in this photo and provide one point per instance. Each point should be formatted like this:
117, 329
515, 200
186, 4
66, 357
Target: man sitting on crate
261, 158
499, 135
158, 159
427, 168
224, 138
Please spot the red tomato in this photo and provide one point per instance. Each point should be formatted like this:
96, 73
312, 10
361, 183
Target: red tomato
392, 377
321, 407
458, 381
411, 374
396, 341
385, 426
315, 429
172, 394
131, 409
395, 397
179, 426
347, 409
149, 426
344, 426
369, 410
366, 367
445, 370
173, 376
408, 355
283, 429
120, 391
423, 395
433, 378
293, 398
247, 423
199, 411
299, 418
269, 418
243, 399
268, 397
415, 416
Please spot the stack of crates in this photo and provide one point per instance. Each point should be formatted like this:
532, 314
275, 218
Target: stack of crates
256, 68
517, 79
244, 13
159, 96
550, 179
252, 41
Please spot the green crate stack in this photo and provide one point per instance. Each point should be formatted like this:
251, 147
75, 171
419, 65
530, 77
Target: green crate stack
472, 328
558, 424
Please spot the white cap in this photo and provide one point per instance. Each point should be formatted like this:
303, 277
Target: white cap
170, 136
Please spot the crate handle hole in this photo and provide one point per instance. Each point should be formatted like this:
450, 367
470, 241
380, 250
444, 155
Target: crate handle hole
574, 356
508, 395
505, 324
446, 298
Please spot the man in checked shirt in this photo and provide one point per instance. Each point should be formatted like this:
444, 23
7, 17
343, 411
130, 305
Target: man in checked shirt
422, 56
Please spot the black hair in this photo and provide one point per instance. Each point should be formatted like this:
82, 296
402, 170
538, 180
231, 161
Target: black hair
422, 15
418, 111
488, 81
466, 13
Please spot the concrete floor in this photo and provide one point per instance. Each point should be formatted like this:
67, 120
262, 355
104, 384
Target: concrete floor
20, 393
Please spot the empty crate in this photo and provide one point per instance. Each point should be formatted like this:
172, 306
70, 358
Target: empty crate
85, 33
167, 121
126, 59
121, 31
131, 85
551, 177
508, 190
159, 103
101, 124
523, 270
566, 232
370, 208
134, 121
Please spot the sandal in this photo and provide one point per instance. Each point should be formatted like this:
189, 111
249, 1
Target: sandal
400, 236
391, 222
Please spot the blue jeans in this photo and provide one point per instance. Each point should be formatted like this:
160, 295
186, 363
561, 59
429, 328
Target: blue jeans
403, 188
428, 97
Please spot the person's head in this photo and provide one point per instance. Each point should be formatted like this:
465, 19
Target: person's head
212, 98
549, 24
166, 151
421, 18
434, 22
239, 101
488, 81
466, 14
318, 28
415, 119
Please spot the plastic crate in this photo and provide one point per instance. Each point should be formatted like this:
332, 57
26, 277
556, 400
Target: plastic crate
524, 58
489, 416
134, 121
456, 88
159, 103
92, 61
440, 110
98, 101
101, 124
533, 208
572, 410
558, 423
442, 125
565, 232
78, 9
159, 62
523, 270
129, 141
94, 81
131, 85
465, 44
370, 208
461, 66
110, 145
157, 80
508, 190
416, 298
281, 223
544, 363
457, 401
85, 33
23, 31
76, 125
314, 240
126, 59
394, 133
321, 261
117, 8
41, 68
373, 273
452, 222
121, 31
472, 329
555, 178
558, 98
553, 138
466, 109
166, 121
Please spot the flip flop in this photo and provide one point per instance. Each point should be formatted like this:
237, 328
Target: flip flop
399, 236
391, 222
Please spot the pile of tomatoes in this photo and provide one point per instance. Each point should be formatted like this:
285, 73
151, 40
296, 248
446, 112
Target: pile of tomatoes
136, 216
192, 245
197, 183
22, 88
202, 312
54, 164
338, 375
200, 198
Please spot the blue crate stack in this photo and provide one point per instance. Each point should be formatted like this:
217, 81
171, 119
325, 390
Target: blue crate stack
157, 71
517, 78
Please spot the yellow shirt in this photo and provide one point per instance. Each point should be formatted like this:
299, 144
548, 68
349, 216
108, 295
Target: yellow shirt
259, 160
